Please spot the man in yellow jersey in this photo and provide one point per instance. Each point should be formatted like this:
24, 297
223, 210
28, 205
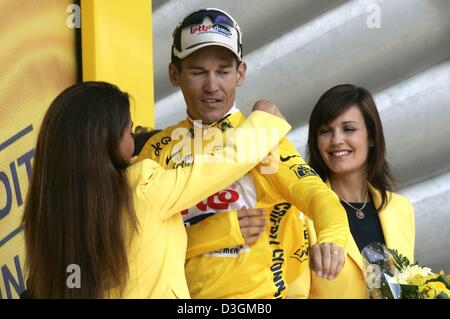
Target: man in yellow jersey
249, 240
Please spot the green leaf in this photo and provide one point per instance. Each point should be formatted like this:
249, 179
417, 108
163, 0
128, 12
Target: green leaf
442, 295
401, 262
442, 279
410, 292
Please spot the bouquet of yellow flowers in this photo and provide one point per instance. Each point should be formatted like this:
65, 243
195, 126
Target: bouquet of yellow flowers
389, 275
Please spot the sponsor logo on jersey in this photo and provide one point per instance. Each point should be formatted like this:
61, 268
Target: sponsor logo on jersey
157, 147
276, 216
287, 158
224, 124
303, 170
301, 254
240, 193
232, 252
171, 156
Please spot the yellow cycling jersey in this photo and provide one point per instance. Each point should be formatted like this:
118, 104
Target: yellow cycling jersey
156, 254
219, 264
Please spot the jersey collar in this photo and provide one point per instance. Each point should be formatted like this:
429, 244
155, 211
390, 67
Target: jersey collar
198, 123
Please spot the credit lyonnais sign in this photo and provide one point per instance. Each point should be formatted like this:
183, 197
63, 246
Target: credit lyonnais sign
37, 61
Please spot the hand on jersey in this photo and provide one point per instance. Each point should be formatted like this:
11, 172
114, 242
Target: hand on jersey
251, 223
327, 260
267, 106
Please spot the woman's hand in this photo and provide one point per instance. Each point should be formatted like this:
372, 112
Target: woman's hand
267, 106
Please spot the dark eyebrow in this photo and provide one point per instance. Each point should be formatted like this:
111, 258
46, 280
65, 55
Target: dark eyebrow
195, 68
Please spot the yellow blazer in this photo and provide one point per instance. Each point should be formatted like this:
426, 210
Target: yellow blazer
398, 224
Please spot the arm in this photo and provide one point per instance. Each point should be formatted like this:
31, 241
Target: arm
232, 228
299, 184
174, 190
300, 288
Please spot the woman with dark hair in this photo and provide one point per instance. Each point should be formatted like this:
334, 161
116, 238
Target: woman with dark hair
346, 148
120, 224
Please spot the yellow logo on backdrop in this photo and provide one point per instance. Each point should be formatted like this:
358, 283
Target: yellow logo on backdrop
13, 185
37, 61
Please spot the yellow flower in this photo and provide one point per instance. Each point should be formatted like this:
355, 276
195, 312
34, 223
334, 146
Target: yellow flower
433, 288
418, 280
414, 275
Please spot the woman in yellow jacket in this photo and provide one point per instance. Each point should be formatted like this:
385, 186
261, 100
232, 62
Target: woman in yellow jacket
346, 148
96, 227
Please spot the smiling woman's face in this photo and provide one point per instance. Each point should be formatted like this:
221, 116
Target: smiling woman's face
344, 143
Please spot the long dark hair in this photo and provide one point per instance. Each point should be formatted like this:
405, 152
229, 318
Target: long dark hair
332, 104
79, 206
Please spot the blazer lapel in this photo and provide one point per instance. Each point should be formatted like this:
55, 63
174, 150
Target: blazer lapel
385, 217
352, 248
354, 253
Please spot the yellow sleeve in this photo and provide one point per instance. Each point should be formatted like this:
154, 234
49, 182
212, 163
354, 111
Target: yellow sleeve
300, 288
226, 233
298, 183
171, 191
153, 148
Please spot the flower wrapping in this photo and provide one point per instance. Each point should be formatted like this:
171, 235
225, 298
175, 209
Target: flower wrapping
389, 275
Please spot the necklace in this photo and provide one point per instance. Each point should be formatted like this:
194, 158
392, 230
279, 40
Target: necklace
359, 211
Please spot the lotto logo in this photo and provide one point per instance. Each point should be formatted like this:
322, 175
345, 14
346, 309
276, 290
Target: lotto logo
219, 201
234, 197
201, 28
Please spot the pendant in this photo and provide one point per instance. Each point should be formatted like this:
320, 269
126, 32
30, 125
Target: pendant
360, 214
